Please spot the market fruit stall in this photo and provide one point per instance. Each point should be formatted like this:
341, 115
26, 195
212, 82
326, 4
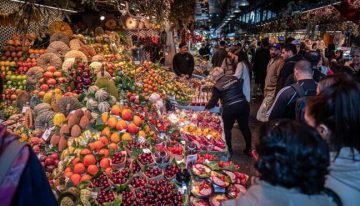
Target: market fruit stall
101, 130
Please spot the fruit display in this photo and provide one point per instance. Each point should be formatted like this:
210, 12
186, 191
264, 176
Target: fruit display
51, 79
203, 129
100, 128
79, 78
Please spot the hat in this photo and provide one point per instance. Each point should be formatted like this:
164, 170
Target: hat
276, 46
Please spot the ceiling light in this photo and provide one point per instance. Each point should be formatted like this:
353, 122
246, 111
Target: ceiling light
102, 18
229, 19
232, 15
244, 3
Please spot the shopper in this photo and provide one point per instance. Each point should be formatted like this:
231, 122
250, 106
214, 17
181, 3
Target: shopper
22, 179
335, 113
315, 58
273, 71
293, 164
183, 62
261, 60
243, 72
289, 53
219, 55
286, 99
230, 62
229, 90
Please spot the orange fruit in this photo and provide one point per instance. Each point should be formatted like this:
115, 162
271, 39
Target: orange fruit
92, 169
89, 160
112, 122
68, 169
68, 174
85, 178
137, 120
104, 152
75, 179
91, 145
108, 171
104, 117
75, 160
115, 138
104, 140
113, 146
79, 168
116, 109
142, 133
105, 163
99, 145
106, 132
121, 125
126, 137
85, 151
126, 114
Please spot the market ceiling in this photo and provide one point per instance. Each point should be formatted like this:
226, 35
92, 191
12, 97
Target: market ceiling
219, 10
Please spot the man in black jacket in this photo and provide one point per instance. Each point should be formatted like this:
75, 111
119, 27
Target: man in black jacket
234, 106
289, 53
183, 62
261, 60
219, 55
284, 104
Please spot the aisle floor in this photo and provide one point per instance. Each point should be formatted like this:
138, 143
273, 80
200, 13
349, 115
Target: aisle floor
246, 163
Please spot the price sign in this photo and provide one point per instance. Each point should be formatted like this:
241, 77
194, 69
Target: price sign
47, 133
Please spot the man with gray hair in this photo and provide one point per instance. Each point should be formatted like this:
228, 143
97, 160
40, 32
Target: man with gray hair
286, 99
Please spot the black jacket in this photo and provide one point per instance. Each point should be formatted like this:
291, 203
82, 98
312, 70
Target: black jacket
286, 71
284, 104
183, 64
219, 57
229, 90
261, 60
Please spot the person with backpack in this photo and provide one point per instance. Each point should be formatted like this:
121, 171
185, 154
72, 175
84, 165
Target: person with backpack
290, 101
22, 178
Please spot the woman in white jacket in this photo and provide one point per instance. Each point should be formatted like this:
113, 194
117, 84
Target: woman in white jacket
243, 72
335, 112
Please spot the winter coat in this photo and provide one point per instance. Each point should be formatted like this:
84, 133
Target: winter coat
228, 89
344, 177
265, 194
242, 72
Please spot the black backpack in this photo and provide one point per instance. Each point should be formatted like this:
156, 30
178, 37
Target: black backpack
301, 101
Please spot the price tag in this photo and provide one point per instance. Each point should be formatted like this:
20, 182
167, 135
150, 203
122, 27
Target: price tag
24, 109
47, 133
146, 150
183, 142
218, 189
